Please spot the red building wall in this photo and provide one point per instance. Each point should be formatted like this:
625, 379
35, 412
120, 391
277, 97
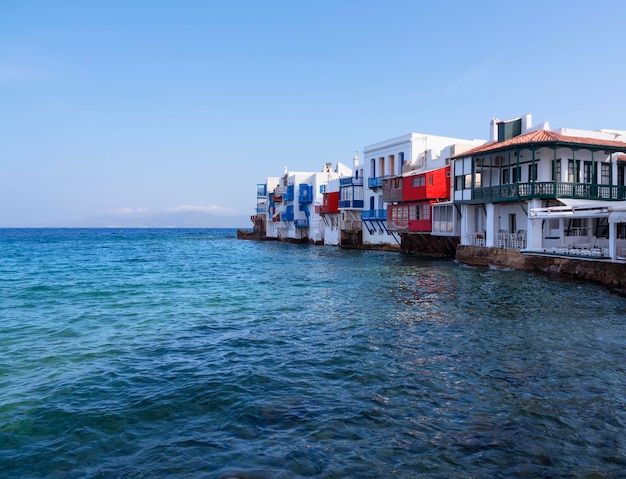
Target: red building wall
331, 200
432, 185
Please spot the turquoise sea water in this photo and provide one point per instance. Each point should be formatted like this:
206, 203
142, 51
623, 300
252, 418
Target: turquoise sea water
189, 353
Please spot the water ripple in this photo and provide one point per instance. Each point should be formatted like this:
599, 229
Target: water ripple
156, 353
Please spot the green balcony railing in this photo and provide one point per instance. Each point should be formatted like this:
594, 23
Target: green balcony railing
549, 189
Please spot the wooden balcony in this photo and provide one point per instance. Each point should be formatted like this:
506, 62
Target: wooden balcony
392, 189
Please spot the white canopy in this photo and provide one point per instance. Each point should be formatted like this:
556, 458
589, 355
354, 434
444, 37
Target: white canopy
617, 216
589, 204
575, 208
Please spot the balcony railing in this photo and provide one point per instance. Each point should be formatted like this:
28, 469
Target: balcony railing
322, 209
261, 209
374, 215
351, 181
390, 193
376, 182
550, 189
351, 204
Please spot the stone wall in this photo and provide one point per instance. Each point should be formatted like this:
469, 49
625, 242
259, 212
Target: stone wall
429, 245
605, 272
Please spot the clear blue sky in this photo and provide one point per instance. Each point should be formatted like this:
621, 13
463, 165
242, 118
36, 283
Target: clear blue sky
155, 105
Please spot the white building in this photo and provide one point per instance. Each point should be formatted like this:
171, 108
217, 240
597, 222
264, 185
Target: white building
412, 152
292, 201
541, 190
350, 206
329, 213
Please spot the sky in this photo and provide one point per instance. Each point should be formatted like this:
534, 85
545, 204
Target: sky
154, 106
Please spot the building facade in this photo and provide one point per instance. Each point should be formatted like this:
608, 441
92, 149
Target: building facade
540, 190
386, 164
291, 204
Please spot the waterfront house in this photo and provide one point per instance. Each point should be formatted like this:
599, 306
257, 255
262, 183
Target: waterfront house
542, 191
351, 194
394, 170
291, 201
342, 202
410, 197
329, 212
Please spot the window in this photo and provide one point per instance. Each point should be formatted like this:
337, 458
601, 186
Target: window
418, 181
587, 172
602, 228
468, 182
605, 174
573, 170
425, 212
458, 182
430, 180
477, 180
557, 171
576, 227
443, 219
417, 210
413, 213
532, 172
345, 194
516, 174
357, 194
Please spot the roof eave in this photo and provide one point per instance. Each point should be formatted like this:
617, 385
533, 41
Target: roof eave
541, 144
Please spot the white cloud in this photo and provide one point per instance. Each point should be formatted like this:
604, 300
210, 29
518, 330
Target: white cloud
213, 209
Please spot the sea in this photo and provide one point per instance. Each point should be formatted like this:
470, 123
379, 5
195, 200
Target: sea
187, 353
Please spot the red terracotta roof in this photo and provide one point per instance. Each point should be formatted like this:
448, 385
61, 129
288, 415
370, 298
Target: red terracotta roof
621, 157
543, 137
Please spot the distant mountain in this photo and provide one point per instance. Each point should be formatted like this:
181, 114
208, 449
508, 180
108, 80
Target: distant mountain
178, 219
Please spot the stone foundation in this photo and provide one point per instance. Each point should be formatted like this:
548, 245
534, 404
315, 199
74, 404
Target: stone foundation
351, 239
429, 245
257, 233
604, 272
